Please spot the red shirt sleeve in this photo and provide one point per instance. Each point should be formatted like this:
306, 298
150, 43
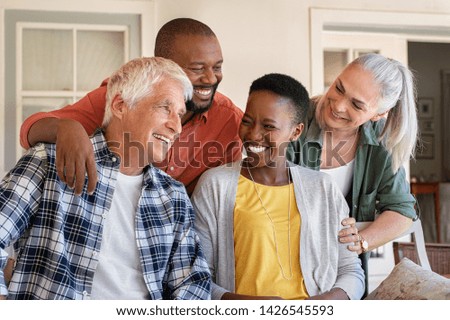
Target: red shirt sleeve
88, 111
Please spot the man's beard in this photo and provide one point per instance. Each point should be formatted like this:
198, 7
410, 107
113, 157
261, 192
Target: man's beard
196, 109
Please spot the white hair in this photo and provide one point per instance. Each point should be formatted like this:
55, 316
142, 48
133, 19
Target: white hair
398, 96
135, 80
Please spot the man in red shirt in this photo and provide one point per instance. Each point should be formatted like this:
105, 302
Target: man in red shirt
209, 136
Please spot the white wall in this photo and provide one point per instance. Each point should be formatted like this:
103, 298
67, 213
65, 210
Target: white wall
261, 36
257, 37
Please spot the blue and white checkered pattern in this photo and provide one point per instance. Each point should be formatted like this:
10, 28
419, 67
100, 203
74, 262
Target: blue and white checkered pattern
58, 234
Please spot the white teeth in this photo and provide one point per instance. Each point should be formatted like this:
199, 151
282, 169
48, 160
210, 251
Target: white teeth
165, 139
336, 115
203, 92
256, 149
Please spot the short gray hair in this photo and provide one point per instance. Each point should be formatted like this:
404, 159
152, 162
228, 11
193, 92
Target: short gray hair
398, 96
135, 80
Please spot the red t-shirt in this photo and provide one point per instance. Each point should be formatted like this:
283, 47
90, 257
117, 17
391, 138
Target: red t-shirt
206, 141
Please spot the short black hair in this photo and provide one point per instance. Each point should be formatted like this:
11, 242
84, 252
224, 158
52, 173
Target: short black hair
286, 87
180, 26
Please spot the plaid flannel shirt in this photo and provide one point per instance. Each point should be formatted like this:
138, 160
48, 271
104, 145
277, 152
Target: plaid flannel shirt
59, 234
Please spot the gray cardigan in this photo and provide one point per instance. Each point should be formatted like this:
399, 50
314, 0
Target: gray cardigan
325, 263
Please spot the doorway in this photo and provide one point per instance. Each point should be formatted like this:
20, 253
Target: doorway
431, 63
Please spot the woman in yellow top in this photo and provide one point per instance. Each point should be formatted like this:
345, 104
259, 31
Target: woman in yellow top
269, 228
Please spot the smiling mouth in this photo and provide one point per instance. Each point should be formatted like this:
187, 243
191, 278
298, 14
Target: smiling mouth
257, 149
165, 139
203, 92
335, 115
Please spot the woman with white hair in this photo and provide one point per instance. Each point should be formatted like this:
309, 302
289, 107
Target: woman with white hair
361, 132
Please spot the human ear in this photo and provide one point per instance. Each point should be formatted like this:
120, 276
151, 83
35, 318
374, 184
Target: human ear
297, 131
380, 116
118, 106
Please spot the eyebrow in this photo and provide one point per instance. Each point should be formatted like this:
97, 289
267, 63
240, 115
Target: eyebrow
265, 119
354, 99
167, 104
164, 103
203, 62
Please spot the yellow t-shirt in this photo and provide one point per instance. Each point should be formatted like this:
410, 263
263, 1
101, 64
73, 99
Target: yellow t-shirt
258, 271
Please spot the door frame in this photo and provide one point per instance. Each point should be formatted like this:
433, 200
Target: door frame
391, 46
420, 27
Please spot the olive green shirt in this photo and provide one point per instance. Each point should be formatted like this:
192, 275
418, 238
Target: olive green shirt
376, 188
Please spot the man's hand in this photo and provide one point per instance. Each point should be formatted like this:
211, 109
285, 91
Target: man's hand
75, 156
8, 271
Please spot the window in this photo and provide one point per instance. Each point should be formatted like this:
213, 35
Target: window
59, 63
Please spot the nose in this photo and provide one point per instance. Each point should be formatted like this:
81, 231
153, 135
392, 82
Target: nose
340, 104
254, 133
174, 123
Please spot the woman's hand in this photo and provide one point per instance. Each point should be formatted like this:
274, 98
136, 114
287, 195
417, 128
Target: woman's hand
350, 235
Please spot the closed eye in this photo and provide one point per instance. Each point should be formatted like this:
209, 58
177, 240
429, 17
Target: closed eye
357, 106
339, 89
245, 122
196, 70
166, 109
